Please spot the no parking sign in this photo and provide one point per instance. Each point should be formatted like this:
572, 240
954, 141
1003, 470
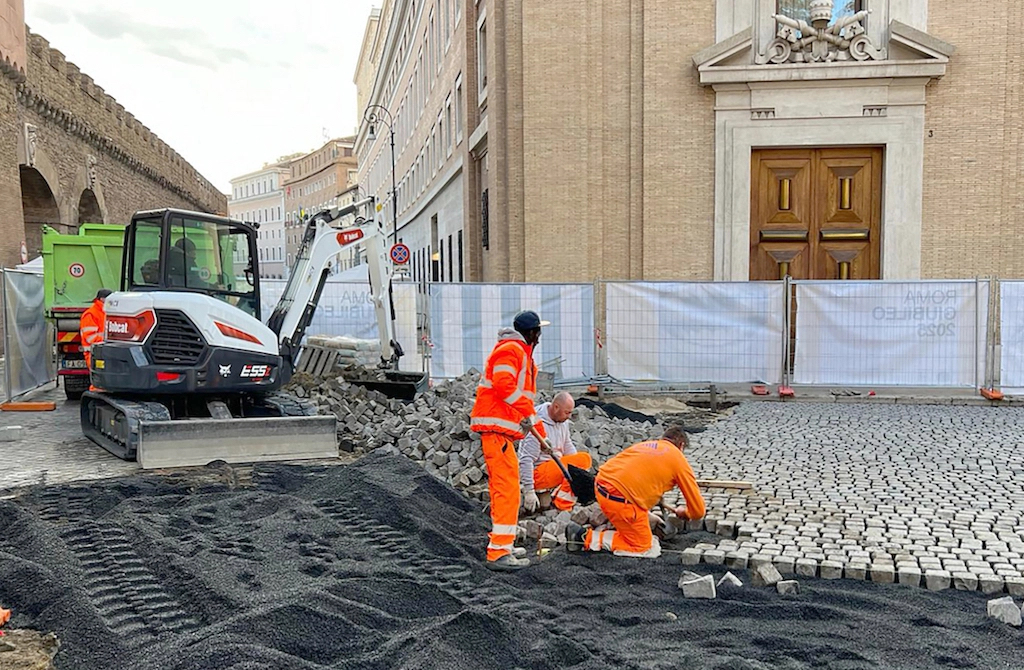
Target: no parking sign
400, 254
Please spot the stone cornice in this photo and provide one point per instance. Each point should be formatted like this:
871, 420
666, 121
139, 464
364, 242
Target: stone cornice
743, 74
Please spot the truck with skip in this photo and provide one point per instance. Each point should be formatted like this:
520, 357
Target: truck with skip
75, 267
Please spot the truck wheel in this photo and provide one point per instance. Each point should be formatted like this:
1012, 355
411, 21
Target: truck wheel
75, 386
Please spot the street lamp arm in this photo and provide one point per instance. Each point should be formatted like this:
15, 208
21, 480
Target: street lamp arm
372, 115
378, 113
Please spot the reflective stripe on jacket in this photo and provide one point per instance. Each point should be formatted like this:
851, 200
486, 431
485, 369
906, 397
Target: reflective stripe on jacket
91, 325
507, 389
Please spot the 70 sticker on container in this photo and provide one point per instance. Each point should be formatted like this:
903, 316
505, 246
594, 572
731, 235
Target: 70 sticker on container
76, 270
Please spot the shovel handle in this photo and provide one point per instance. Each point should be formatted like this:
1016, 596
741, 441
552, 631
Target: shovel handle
551, 452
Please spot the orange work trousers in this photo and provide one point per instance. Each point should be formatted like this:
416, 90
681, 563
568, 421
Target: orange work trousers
548, 476
503, 485
632, 535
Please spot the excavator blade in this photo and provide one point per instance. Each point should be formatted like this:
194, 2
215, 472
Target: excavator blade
143, 430
167, 444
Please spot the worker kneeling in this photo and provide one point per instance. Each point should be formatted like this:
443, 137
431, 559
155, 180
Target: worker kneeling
537, 471
628, 485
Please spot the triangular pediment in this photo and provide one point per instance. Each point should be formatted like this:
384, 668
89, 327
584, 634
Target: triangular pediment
909, 53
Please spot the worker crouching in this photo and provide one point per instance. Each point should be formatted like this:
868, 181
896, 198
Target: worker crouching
537, 470
629, 485
504, 412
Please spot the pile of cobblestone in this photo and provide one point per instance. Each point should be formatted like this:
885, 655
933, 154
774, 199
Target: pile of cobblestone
434, 429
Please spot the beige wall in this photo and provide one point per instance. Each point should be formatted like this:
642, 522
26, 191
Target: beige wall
606, 140
974, 139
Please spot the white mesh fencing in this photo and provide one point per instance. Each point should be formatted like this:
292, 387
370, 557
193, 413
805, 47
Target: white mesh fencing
345, 308
891, 333
465, 319
1011, 330
691, 332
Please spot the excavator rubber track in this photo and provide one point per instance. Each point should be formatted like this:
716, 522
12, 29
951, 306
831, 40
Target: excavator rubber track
276, 426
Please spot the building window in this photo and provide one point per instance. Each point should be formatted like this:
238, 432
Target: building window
448, 125
458, 108
447, 23
459, 238
484, 227
451, 263
800, 10
481, 55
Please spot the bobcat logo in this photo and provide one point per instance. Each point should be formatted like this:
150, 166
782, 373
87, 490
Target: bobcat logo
225, 371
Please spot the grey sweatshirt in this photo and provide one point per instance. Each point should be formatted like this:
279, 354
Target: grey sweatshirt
530, 455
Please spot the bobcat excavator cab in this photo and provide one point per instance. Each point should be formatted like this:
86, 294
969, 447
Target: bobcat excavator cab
185, 347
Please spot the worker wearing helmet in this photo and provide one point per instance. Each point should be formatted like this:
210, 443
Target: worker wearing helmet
628, 485
537, 471
91, 326
504, 412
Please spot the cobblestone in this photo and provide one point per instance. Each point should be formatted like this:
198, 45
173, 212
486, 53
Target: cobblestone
51, 449
878, 490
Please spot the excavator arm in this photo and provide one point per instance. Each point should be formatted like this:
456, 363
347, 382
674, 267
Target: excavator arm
320, 243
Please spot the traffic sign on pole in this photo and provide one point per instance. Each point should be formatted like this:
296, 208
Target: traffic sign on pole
400, 254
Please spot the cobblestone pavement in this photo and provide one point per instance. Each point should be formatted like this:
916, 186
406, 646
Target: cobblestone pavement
50, 448
917, 494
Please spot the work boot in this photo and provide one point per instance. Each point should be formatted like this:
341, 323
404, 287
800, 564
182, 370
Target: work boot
574, 534
519, 552
508, 563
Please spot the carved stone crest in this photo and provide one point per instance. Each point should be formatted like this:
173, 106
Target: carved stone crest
820, 42
30, 144
90, 170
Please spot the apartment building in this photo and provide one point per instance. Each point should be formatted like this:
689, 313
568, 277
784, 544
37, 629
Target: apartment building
411, 86
258, 197
315, 182
715, 140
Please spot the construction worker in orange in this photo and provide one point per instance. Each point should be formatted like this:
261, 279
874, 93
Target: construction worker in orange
91, 326
537, 472
504, 412
628, 485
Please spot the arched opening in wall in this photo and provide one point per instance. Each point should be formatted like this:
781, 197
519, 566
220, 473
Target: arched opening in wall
89, 208
39, 207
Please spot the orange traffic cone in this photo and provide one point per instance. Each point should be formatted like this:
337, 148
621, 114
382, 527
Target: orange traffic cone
5, 616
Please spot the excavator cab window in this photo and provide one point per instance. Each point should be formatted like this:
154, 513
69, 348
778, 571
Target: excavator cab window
202, 257
175, 252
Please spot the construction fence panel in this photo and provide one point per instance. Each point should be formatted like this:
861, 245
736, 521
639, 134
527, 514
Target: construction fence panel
465, 320
346, 308
723, 332
28, 336
891, 333
1011, 331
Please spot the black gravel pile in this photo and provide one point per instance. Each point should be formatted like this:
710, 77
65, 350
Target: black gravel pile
378, 565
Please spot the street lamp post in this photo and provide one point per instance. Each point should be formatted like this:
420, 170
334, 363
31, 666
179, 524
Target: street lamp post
373, 115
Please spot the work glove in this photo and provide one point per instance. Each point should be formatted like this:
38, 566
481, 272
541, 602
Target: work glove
530, 501
526, 424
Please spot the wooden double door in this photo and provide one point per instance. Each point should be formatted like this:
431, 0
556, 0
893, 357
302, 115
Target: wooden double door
816, 213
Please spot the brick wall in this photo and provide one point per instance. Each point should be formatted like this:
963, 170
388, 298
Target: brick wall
75, 120
607, 142
974, 140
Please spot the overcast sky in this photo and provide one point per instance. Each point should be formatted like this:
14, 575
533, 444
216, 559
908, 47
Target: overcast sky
229, 84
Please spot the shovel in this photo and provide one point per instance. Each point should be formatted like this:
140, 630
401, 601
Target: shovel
580, 481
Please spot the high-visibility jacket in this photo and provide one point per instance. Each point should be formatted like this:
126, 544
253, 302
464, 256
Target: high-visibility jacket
92, 323
643, 473
507, 389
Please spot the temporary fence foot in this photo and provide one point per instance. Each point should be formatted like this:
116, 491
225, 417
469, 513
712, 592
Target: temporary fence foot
758, 389
38, 406
786, 392
992, 394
